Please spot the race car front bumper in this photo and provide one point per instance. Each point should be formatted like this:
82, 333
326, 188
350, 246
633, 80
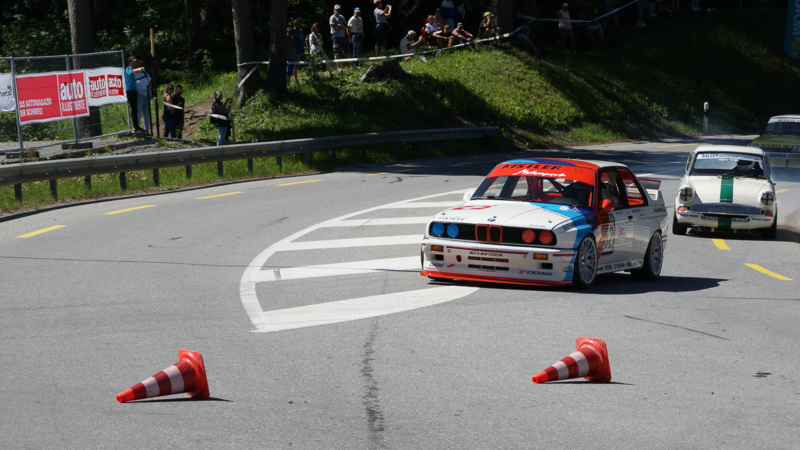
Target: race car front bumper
497, 263
723, 221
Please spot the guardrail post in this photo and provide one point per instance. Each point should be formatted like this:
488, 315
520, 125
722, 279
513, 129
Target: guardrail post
188, 171
430, 149
18, 192
156, 178
87, 180
123, 181
364, 153
219, 168
250, 165
54, 189
333, 155
279, 162
396, 151
308, 159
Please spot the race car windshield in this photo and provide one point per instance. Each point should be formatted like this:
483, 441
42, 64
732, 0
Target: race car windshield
573, 186
783, 128
728, 164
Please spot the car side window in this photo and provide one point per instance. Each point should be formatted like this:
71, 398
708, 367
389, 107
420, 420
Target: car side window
609, 189
636, 196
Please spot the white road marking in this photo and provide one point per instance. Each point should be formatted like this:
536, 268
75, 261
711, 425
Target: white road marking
368, 306
386, 221
354, 242
359, 308
423, 205
348, 268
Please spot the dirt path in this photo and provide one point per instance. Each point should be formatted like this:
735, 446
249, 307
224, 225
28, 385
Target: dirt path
190, 119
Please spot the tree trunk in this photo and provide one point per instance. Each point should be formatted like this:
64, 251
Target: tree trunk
80, 26
245, 47
187, 10
276, 74
505, 14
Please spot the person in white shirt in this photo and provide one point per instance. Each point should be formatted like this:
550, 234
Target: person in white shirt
409, 44
355, 33
315, 43
382, 26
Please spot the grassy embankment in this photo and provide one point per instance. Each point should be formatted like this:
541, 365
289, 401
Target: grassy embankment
648, 83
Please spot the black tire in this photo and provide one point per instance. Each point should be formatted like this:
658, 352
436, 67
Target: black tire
653, 260
771, 232
586, 263
678, 228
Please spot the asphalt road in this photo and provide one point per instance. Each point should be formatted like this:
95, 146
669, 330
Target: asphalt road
318, 332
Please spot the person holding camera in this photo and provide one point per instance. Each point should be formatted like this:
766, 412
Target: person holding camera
221, 108
382, 26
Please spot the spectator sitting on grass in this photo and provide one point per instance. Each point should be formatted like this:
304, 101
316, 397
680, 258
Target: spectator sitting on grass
444, 38
430, 29
461, 34
593, 29
488, 27
439, 19
523, 35
565, 28
409, 44
605, 8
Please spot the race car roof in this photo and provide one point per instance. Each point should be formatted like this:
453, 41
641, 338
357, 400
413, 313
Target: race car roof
729, 149
785, 118
594, 165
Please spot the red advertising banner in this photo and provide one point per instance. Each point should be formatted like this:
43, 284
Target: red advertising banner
51, 96
105, 86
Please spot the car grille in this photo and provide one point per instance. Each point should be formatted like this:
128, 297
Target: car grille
492, 234
727, 209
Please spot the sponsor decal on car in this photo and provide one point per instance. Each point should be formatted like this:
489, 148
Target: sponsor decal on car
486, 254
536, 272
740, 219
472, 207
659, 210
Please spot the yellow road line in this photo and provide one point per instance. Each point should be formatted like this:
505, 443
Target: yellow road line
218, 195
768, 272
720, 243
394, 171
781, 191
679, 145
126, 210
298, 182
43, 230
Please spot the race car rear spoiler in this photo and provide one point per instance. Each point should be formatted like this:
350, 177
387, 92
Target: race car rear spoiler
650, 183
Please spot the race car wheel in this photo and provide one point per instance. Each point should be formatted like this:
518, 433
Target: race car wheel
653, 260
771, 232
585, 263
678, 229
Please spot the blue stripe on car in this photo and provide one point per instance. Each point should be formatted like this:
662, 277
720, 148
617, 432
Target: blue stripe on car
585, 222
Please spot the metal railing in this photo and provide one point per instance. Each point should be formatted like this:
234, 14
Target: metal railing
16, 174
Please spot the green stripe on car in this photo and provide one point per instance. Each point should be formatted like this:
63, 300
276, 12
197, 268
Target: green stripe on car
726, 190
724, 223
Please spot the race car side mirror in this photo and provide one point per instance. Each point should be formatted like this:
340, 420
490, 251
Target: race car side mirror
607, 206
468, 195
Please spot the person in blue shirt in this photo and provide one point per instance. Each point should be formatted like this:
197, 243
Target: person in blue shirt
134, 66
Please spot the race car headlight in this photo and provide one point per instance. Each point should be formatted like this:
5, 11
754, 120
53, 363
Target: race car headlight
528, 236
767, 198
686, 194
753, 145
452, 230
437, 229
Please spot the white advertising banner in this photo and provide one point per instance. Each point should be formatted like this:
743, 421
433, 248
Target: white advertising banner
105, 85
7, 102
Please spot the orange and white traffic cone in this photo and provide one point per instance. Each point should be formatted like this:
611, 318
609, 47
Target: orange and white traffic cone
590, 360
187, 375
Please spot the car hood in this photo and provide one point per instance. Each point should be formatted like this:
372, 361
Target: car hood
776, 141
745, 190
512, 214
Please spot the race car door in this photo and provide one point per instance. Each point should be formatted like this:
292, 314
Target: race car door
643, 217
616, 232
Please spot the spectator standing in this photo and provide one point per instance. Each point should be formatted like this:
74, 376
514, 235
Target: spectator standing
523, 35
405, 15
289, 55
381, 26
315, 45
169, 112
444, 38
449, 13
409, 44
134, 67
299, 37
144, 89
462, 35
605, 8
466, 16
565, 28
594, 29
355, 31
221, 108
340, 44
640, 6
180, 102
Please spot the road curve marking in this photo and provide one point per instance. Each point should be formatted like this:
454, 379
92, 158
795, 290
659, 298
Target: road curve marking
218, 195
679, 145
298, 182
353, 242
128, 209
404, 264
768, 272
340, 311
720, 243
781, 191
394, 171
38, 232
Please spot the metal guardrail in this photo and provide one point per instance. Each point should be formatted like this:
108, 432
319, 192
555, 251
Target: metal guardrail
16, 174
784, 160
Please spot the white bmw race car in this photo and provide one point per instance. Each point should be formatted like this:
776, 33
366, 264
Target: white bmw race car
727, 188
550, 222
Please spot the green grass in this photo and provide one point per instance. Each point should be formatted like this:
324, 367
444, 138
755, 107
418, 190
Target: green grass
646, 84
